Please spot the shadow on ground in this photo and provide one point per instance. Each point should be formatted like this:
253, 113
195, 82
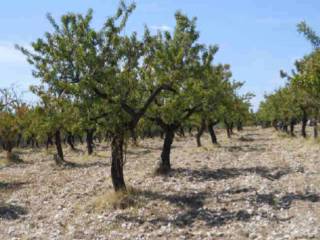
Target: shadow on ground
12, 185
192, 207
227, 173
245, 148
11, 211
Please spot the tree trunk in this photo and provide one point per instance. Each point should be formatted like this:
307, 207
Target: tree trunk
32, 142
315, 129
134, 136
161, 134
231, 128
212, 133
19, 139
239, 126
49, 141
181, 132
275, 124
304, 123
228, 128
79, 138
200, 132
228, 132
89, 140
165, 165
70, 142
117, 162
59, 159
292, 128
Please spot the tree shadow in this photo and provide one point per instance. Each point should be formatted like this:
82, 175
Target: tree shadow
275, 199
246, 148
286, 200
192, 209
227, 173
12, 185
11, 212
72, 165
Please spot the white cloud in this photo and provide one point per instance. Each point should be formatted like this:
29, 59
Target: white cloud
9, 54
161, 28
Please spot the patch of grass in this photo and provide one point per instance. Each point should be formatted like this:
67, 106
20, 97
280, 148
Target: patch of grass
116, 200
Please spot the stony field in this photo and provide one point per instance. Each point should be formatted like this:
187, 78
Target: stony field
258, 185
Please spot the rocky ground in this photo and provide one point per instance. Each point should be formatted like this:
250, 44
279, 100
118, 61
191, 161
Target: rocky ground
258, 185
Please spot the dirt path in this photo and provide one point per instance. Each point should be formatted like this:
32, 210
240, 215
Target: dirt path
258, 185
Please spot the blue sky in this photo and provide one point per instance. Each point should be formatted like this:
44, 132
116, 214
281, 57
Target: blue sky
258, 38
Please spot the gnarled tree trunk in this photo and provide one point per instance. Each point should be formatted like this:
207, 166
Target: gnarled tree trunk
60, 158
165, 165
117, 162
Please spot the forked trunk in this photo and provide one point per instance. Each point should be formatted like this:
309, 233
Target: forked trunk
117, 162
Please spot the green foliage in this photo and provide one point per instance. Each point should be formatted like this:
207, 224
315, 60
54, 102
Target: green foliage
12, 120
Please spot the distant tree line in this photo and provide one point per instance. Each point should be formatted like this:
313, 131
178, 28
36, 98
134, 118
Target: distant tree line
299, 100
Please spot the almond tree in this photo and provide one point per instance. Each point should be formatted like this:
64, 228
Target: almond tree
103, 66
12, 112
182, 61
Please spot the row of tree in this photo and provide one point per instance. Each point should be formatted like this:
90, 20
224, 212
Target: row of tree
299, 100
105, 84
